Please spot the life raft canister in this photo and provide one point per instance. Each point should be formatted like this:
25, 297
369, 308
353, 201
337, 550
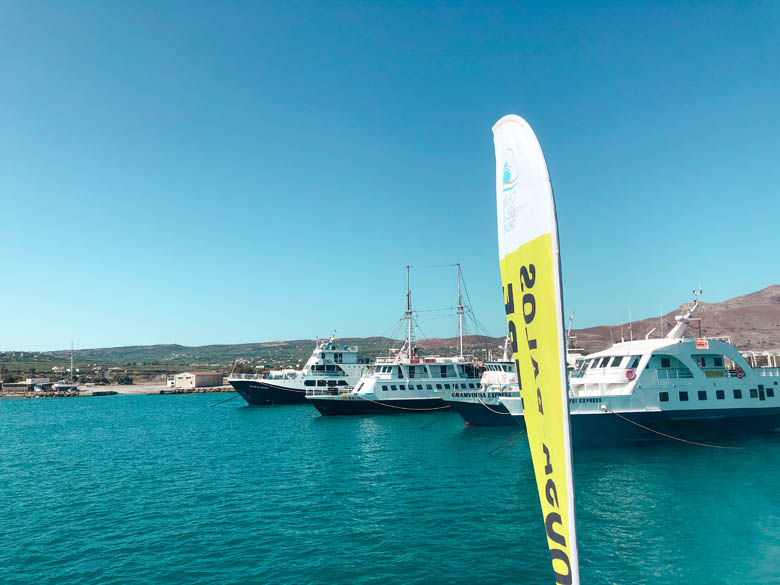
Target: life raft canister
630, 375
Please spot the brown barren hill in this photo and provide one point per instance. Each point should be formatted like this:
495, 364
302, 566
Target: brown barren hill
752, 321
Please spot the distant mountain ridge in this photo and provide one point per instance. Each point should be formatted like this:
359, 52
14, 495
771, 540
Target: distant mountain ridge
751, 320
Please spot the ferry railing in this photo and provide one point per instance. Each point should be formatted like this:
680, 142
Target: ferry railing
262, 377
670, 375
767, 371
328, 390
246, 376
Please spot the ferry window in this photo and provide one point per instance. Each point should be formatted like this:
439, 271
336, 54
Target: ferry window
438, 386
702, 395
463, 386
402, 387
718, 362
428, 386
770, 392
720, 394
737, 393
683, 396
634, 362
411, 372
343, 383
321, 383
616, 361
761, 395
446, 386
393, 388
603, 363
419, 386
308, 383
701, 362
665, 362
378, 370
471, 385
400, 372
753, 393
443, 370
593, 363
663, 396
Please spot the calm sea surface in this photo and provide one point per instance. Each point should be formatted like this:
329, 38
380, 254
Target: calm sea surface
166, 489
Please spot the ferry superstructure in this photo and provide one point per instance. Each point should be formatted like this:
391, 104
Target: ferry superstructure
330, 366
403, 381
672, 387
481, 406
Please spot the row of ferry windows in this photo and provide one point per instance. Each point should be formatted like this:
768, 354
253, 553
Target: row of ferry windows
420, 371
427, 386
759, 392
499, 368
325, 383
326, 368
614, 362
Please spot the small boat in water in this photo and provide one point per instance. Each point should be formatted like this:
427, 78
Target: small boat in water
674, 387
330, 366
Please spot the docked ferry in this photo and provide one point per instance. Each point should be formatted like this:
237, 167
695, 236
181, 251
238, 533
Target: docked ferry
675, 387
403, 381
330, 366
481, 406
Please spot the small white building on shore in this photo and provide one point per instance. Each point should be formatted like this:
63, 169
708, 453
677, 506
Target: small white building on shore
198, 379
33, 381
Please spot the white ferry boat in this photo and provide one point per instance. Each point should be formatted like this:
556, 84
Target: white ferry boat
330, 366
672, 387
404, 381
481, 406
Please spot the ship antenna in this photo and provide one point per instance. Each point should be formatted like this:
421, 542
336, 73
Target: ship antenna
460, 315
408, 315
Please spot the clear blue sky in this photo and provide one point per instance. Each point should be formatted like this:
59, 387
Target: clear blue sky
221, 172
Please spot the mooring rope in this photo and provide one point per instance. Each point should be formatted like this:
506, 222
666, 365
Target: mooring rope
433, 422
671, 437
512, 438
404, 407
224, 401
490, 409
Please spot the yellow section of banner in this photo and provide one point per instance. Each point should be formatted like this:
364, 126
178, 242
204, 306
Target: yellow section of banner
532, 308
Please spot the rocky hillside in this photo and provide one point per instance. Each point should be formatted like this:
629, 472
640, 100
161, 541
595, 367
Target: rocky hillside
751, 320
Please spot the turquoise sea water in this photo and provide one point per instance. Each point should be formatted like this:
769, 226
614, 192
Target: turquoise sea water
165, 489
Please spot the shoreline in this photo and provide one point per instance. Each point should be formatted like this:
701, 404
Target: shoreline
116, 390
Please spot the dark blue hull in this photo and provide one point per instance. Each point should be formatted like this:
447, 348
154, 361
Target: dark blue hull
340, 406
609, 429
260, 392
477, 414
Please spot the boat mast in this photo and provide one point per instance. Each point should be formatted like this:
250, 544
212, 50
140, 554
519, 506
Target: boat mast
460, 315
682, 320
408, 315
